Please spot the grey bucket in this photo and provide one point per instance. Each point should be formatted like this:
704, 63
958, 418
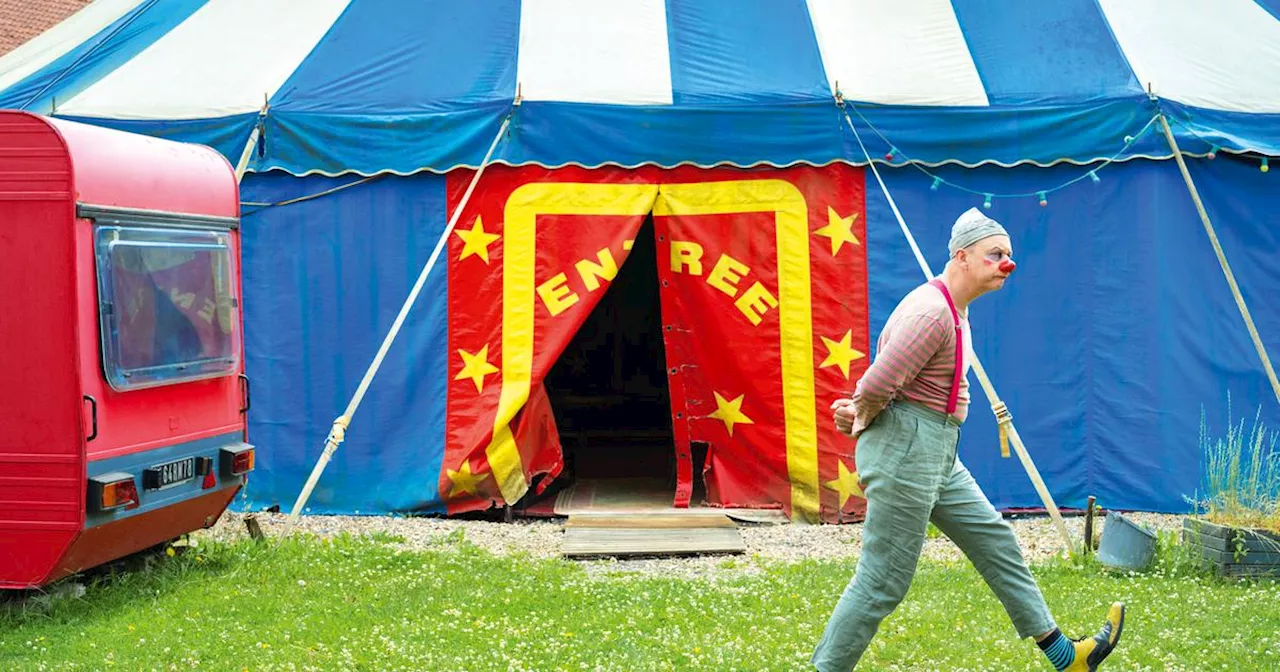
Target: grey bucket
1125, 545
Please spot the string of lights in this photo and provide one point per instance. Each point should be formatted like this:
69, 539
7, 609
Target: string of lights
897, 157
1264, 164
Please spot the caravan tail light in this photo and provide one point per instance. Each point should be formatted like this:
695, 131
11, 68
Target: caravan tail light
242, 463
238, 459
121, 493
114, 491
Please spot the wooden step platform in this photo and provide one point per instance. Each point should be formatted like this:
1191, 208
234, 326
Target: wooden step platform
639, 496
635, 535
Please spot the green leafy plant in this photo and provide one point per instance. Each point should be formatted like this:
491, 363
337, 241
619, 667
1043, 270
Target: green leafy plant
1239, 549
1175, 558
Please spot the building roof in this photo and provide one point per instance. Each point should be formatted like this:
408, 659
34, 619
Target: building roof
21, 20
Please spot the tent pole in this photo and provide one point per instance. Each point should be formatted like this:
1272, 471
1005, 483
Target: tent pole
1003, 417
338, 432
243, 164
248, 151
1222, 258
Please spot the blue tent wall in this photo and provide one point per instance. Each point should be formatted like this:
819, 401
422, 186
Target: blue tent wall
1117, 328
323, 282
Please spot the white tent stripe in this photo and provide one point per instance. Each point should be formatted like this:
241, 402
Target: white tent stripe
219, 62
1170, 47
588, 51
54, 43
903, 52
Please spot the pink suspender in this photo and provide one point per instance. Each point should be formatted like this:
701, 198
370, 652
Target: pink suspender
954, 400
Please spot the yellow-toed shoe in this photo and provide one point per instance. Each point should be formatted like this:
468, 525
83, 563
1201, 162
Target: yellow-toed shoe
1092, 651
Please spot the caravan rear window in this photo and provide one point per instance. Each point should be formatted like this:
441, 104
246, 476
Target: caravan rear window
167, 305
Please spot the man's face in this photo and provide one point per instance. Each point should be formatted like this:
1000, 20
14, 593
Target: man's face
989, 262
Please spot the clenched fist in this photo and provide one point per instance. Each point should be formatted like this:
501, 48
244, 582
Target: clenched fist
844, 415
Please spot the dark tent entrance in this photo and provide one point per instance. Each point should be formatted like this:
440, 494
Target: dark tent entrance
609, 393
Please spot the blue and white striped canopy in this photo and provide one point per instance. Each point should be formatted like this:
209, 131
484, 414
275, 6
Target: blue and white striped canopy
369, 86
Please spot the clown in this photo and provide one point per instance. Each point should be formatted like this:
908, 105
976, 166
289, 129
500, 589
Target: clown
906, 414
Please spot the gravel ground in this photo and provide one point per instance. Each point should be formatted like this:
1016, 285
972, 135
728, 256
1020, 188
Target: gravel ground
542, 538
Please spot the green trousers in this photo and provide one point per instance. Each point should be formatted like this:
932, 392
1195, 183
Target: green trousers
907, 463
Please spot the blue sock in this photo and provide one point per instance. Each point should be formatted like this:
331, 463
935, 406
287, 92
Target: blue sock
1059, 649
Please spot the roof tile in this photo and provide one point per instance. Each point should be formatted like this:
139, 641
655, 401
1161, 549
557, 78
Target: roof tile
21, 20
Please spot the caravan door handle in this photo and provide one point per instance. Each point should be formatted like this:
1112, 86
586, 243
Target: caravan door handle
246, 396
94, 403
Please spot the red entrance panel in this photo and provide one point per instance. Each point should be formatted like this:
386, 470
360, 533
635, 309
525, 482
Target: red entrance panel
764, 311
120, 340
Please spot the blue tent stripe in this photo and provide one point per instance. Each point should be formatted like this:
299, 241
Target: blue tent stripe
1018, 47
402, 59
725, 51
355, 105
1272, 6
89, 62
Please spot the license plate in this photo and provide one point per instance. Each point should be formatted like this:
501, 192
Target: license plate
169, 474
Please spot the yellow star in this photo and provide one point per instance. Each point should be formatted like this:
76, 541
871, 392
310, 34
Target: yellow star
840, 353
839, 230
477, 241
730, 412
464, 481
476, 367
846, 484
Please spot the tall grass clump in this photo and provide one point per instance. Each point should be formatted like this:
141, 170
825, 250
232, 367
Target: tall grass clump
1241, 477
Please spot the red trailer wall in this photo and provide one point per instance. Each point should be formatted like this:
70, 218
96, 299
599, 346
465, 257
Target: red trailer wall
41, 464
50, 354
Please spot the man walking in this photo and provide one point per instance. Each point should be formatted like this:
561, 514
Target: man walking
906, 414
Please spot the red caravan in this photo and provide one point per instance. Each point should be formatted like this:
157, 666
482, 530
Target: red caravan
122, 383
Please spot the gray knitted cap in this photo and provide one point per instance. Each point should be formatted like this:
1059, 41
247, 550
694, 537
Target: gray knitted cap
971, 227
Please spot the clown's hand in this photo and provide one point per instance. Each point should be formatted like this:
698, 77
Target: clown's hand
844, 416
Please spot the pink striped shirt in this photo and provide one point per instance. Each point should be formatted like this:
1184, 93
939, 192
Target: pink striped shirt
915, 359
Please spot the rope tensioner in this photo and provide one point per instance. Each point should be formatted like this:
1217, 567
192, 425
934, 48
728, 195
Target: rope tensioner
339, 431
1003, 419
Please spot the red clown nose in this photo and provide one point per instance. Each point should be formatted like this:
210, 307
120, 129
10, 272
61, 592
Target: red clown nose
1007, 266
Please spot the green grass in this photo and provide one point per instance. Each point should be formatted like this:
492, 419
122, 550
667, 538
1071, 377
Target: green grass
365, 604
